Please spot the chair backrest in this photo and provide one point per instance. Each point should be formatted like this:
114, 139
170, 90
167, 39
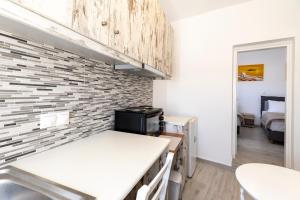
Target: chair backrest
162, 177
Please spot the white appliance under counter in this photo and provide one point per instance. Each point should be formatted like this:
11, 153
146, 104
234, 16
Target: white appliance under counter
188, 127
107, 165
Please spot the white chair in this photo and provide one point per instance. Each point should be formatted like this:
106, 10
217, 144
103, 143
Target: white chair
162, 177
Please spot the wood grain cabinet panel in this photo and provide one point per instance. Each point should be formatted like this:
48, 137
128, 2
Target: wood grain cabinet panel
119, 33
80, 17
136, 28
136, 43
168, 50
126, 24
148, 32
156, 37
160, 34
92, 18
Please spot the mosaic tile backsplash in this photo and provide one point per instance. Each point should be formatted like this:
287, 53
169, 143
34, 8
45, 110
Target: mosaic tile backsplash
38, 78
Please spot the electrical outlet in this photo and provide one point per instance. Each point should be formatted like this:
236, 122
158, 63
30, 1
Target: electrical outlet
62, 118
47, 120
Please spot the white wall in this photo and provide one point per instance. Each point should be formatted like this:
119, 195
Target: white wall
274, 83
160, 90
202, 78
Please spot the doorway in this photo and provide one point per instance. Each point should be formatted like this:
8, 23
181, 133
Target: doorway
287, 44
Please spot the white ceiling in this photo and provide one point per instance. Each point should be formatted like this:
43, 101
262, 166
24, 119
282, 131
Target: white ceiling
179, 9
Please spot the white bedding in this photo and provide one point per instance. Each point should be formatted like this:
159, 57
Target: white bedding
276, 125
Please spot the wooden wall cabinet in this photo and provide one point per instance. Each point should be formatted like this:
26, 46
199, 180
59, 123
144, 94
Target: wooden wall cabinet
120, 33
136, 45
159, 36
148, 32
136, 28
92, 19
168, 50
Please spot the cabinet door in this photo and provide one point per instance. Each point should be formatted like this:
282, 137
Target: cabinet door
91, 18
137, 28
154, 35
136, 43
171, 49
168, 50
119, 33
160, 30
57, 10
148, 32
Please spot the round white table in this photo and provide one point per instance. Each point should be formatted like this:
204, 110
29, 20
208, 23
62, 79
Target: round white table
268, 182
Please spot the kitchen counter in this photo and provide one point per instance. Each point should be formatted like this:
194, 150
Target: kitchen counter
107, 165
175, 141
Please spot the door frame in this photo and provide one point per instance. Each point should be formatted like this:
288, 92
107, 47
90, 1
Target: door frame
289, 44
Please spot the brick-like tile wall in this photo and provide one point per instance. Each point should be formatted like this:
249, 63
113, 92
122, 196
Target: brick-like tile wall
38, 78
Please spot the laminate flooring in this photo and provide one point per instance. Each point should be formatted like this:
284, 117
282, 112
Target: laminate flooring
254, 146
216, 182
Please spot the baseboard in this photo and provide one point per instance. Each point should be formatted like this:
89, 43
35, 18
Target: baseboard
223, 166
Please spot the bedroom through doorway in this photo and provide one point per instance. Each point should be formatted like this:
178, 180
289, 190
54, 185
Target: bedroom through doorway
260, 106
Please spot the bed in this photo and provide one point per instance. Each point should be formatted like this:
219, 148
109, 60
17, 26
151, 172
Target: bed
272, 121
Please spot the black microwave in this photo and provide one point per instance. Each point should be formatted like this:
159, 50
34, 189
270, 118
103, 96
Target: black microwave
144, 120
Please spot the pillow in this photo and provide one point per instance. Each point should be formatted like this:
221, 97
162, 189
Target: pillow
276, 106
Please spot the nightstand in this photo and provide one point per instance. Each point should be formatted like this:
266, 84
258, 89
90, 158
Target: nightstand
248, 120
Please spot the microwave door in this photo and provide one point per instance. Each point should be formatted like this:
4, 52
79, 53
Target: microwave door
152, 126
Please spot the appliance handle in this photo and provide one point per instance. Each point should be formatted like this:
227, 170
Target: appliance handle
142, 126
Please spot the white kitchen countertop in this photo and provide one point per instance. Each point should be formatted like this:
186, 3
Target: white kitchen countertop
177, 120
107, 165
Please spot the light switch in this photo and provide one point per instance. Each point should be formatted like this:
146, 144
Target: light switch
47, 120
62, 118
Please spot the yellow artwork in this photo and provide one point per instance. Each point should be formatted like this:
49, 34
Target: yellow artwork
251, 72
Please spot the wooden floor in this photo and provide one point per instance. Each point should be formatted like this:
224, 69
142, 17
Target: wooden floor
216, 182
211, 182
254, 146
